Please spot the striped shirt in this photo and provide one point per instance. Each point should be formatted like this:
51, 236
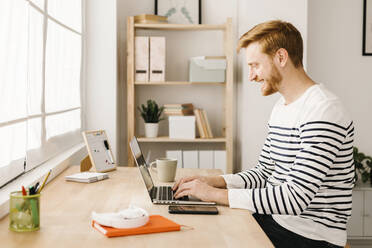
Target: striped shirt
305, 173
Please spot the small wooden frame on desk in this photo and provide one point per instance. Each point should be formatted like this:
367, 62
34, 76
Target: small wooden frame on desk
99, 152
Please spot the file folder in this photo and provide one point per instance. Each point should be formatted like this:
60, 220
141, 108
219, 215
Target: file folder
157, 59
142, 47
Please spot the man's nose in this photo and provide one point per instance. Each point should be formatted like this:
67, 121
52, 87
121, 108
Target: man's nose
252, 76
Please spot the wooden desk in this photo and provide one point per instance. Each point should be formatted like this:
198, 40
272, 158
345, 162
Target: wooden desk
66, 209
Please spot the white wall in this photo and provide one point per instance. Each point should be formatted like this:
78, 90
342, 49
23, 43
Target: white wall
253, 109
335, 59
101, 68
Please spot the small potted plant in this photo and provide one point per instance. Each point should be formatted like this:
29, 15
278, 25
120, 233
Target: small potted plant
151, 115
363, 165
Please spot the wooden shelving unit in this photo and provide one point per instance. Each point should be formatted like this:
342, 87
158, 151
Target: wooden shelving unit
226, 28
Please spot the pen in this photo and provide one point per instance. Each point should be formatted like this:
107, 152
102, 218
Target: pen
24, 191
31, 190
108, 151
45, 179
36, 187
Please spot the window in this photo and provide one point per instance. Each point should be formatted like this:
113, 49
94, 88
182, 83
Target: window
40, 82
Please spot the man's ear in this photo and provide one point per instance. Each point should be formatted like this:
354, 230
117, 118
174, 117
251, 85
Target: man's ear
281, 57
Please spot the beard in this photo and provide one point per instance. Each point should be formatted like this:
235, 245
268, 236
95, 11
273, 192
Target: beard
271, 85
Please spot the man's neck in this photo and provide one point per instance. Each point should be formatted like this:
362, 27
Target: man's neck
294, 84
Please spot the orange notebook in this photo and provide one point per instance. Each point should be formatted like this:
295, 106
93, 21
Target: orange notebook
156, 224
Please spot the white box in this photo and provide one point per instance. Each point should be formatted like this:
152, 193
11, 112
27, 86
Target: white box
206, 159
141, 54
175, 154
204, 69
190, 159
182, 127
220, 160
157, 59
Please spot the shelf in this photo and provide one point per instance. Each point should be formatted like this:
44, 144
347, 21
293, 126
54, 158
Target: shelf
178, 83
180, 26
197, 140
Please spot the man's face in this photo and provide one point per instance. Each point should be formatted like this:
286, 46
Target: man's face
262, 69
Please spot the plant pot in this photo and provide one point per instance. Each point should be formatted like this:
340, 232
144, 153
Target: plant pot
151, 130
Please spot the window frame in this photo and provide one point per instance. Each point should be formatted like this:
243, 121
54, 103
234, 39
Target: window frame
73, 136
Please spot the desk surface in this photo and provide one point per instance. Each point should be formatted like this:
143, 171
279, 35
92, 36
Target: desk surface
66, 209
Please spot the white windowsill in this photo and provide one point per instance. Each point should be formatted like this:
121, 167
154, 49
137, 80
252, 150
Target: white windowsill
57, 164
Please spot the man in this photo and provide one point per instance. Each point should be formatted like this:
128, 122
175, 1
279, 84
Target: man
301, 189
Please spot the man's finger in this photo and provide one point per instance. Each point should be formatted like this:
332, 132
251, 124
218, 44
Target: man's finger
182, 188
181, 181
181, 193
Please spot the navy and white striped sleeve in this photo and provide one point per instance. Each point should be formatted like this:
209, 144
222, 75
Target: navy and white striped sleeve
255, 177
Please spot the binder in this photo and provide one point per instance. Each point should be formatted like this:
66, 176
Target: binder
156, 224
157, 59
190, 159
220, 160
141, 54
175, 154
206, 159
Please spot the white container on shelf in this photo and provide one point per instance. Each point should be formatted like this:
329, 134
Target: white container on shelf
182, 127
151, 130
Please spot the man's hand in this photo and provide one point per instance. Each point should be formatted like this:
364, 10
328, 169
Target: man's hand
196, 187
214, 181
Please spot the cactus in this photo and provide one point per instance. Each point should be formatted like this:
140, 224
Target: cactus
151, 112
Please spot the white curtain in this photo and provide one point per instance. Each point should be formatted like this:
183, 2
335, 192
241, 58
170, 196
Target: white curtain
40, 64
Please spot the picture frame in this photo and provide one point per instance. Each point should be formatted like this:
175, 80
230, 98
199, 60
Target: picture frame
367, 28
180, 11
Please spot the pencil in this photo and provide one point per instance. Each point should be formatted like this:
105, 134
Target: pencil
45, 179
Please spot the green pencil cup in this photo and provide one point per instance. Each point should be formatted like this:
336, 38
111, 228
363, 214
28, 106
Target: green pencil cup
24, 212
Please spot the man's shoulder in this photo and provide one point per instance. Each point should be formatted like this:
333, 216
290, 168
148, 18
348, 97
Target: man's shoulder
319, 94
322, 105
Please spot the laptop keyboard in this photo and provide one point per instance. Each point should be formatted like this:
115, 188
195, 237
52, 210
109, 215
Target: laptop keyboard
165, 193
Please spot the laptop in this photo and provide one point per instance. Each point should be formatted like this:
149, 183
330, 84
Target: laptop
158, 194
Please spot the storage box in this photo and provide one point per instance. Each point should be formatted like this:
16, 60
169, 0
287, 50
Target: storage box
182, 127
204, 69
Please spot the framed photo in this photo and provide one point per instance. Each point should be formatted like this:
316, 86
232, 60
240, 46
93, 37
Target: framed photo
179, 11
367, 28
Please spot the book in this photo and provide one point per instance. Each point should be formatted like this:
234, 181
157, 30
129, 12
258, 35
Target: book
179, 109
156, 224
87, 177
147, 18
207, 125
179, 106
204, 124
199, 123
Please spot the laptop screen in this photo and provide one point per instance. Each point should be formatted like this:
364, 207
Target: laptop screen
141, 163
